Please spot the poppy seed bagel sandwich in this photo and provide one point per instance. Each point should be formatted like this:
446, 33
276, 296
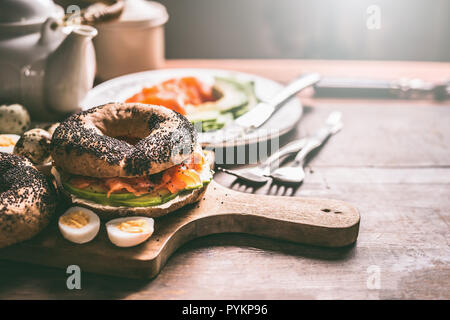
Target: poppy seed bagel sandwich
123, 159
27, 199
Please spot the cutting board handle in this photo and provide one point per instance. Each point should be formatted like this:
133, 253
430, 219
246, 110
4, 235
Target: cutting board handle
321, 222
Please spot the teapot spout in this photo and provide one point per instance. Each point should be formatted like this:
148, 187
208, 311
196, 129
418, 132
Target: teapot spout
70, 70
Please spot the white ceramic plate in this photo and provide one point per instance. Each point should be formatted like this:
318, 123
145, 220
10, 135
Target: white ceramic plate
121, 88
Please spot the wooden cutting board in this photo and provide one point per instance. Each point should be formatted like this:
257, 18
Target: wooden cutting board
321, 222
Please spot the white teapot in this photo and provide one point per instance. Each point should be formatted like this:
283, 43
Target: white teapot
44, 65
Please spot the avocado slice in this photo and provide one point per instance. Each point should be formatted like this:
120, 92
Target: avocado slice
230, 95
233, 94
235, 98
129, 199
96, 195
115, 198
143, 201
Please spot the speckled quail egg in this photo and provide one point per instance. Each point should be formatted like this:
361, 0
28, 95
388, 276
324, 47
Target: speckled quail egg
79, 225
129, 231
35, 145
7, 142
14, 119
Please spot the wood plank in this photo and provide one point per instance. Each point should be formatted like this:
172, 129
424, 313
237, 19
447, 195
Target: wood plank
380, 136
383, 136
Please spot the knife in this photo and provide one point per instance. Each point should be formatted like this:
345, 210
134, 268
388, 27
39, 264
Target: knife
373, 88
258, 115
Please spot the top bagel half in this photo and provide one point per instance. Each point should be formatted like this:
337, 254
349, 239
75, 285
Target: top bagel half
122, 140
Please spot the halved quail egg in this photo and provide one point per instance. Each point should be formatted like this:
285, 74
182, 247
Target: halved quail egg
7, 142
79, 225
130, 231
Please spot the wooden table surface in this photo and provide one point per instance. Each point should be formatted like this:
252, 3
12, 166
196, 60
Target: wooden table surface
391, 160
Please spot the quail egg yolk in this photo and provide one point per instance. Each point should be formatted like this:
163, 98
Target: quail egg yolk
75, 219
6, 141
134, 226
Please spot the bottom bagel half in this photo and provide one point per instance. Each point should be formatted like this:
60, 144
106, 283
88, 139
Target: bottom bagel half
122, 203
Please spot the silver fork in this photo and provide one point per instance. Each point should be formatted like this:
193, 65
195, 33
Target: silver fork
294, 172
258, 173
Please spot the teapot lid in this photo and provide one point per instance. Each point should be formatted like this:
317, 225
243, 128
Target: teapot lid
140, 13
25, 13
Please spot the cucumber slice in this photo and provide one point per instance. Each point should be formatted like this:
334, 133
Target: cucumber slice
210, 119
198, 115
249, 88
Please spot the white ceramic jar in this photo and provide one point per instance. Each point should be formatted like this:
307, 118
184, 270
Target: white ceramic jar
132, 43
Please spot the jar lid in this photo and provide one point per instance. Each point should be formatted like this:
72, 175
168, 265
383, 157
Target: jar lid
140, 13
25, 12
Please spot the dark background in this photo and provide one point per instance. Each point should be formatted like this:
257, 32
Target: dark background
308, 29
